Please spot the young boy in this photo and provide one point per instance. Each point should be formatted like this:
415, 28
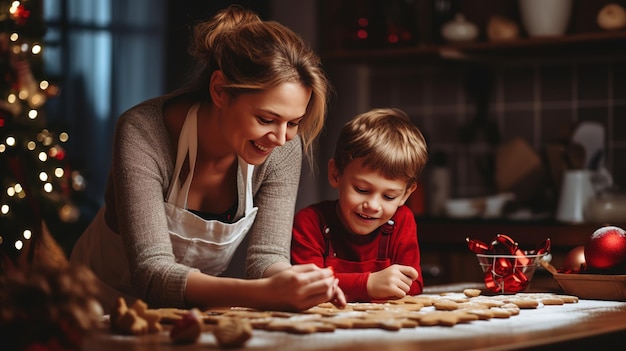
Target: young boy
368, 236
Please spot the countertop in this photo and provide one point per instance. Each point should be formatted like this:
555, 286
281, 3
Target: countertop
570, 326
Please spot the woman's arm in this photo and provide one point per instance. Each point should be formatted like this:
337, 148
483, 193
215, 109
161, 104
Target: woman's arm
294, 289
308, 244
275, 188
142, 165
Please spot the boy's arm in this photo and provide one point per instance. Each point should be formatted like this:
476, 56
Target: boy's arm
307, 242
405, 250
354, 286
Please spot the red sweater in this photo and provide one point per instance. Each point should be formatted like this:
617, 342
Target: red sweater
353, 256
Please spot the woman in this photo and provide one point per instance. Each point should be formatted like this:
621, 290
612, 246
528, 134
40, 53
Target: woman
195, 171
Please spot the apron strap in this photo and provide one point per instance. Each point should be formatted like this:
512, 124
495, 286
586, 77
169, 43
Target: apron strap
187, 145
327, 212
383, 245
327, 247
247, 171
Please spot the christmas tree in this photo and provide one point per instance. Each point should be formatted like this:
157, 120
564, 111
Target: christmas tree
37, 184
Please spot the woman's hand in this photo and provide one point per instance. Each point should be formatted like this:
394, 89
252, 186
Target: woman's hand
392, 282
303, 286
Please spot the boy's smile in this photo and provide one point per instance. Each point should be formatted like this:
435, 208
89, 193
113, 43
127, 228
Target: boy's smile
367, 199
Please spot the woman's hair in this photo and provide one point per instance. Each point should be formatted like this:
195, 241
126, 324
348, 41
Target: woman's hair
387, 142
255, 55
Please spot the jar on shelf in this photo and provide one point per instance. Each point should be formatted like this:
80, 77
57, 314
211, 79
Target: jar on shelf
459, 30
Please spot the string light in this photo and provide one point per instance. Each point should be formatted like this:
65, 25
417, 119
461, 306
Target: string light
14, 7
33, 173
23, 94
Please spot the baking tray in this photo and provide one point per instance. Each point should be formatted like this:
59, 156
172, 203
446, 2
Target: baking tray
593, 286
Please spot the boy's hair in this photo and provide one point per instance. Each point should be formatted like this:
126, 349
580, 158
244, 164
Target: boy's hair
387, 141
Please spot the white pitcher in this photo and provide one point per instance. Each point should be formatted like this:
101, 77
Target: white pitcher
576, 191
545, 17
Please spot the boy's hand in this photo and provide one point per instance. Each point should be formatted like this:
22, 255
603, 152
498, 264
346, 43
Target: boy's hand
392, 282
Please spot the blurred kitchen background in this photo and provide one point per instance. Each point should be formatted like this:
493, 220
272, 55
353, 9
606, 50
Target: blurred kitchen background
507, 110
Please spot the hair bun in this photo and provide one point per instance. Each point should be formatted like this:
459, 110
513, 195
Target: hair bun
233, 16
207, 34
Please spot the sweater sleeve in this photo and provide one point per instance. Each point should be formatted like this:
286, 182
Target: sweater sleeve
308, 244
141, 171
405, 247
354, 285
275, 187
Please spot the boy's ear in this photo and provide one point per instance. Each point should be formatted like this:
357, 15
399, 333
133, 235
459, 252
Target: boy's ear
218, 95
408, 193
333, 173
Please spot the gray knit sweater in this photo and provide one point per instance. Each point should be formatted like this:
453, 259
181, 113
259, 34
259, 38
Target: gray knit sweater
140, 176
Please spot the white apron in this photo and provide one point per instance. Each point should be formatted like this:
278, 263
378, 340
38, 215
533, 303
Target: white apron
206, 245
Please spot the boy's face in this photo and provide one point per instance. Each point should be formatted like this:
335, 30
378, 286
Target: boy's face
366, 198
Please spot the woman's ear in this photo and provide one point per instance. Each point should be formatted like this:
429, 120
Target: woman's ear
333, 173
216, 88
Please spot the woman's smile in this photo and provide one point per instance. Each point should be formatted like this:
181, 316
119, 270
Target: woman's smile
261, 147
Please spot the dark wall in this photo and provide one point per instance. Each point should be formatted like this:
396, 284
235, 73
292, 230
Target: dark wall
182, 15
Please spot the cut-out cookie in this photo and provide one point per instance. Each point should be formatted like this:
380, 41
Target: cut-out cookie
135, 320
232, 332
301, 327
445, 305
471, 292
188, 329
446, 318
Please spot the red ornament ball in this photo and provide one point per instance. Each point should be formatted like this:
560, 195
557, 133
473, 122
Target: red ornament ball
575, 259
606, 249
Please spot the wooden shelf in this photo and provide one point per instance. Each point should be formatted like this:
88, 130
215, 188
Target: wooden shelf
595, 44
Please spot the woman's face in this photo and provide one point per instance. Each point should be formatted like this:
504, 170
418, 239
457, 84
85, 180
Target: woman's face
367, 199
253, 124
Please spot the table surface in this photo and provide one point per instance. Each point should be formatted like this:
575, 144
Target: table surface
589, 320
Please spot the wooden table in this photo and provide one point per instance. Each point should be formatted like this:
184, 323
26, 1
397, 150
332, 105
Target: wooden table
573, 326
